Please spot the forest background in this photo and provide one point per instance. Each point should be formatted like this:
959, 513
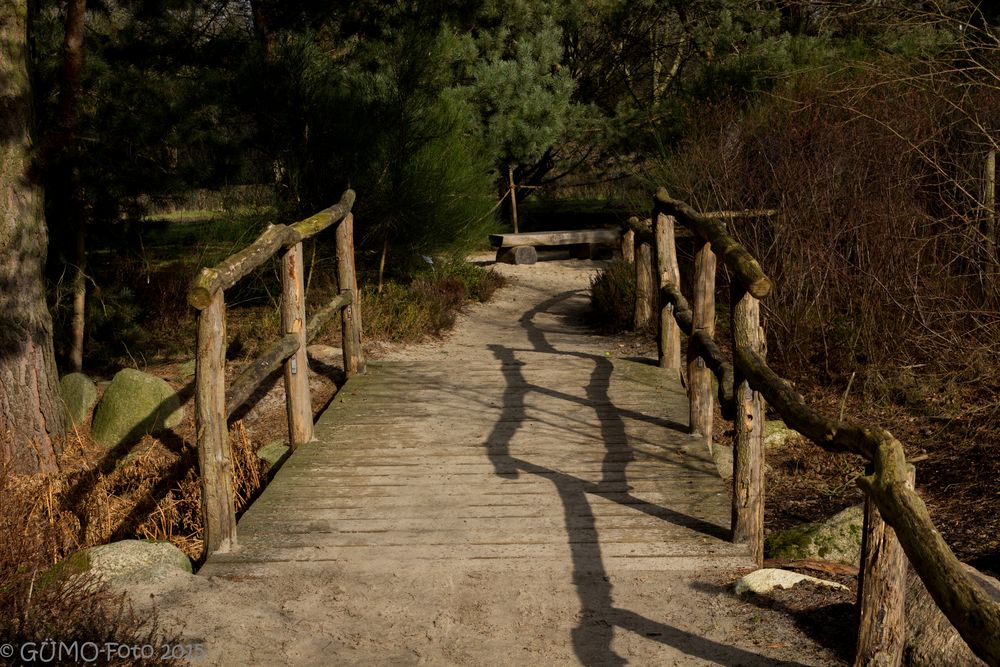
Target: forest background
167, 133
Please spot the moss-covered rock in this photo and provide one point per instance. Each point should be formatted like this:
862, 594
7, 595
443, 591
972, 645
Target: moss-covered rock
79, 393
837, 539
777, 434
274, 454
134, 404
137, 560
124, 562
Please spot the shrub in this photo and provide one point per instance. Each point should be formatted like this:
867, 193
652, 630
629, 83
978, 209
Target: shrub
428, 305
612, 297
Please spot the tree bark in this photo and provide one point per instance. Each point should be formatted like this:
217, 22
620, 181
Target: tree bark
645, 293
881, 591
70, 85
703, 320
668, 336
32, 415
748, 449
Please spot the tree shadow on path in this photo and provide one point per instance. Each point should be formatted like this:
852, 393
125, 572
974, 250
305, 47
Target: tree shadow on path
592, 638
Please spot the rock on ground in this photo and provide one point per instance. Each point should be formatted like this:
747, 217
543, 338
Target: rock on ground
79, 393
837, 539
134, 404
777, 435
767, 579
136, 561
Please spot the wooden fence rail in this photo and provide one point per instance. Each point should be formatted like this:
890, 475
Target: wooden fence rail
748, 382
214, 404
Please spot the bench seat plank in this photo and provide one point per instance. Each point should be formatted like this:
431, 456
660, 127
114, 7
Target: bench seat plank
571, 237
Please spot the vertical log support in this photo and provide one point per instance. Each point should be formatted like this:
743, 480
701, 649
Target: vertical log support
703, 319
667, 269
218, 507
628, 246
881, 591
645, 295
513, 196
748, 450
298, 404
350, 317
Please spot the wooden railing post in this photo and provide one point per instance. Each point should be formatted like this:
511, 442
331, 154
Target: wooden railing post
668, 337
218, 508
628, 246
350, 316
703, 319
645, 295
298, 403
748, 449
881, 590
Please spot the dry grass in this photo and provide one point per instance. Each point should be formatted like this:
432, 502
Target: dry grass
42, 604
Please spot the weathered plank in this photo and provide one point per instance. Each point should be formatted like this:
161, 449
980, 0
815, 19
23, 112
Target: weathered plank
432, 460
567, 237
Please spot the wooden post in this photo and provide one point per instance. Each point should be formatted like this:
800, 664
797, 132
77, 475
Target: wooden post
669, 334
217, 505
645, 294
881, 590
513, 196
350, 316
703, 319
748, 450
298, 404
628, 246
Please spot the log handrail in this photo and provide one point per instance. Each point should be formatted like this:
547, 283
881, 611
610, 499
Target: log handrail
215, 405
229, 271
970, 609
747, 269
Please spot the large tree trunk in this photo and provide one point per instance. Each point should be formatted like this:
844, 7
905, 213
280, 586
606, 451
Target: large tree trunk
32, 414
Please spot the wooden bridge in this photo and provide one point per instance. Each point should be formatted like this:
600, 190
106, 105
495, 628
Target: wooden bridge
537, 449
543, 476
522, 498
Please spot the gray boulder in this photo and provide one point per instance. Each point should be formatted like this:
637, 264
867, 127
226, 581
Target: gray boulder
777, 435
137, 561
127, 562
79, 393
837, 539
134, 404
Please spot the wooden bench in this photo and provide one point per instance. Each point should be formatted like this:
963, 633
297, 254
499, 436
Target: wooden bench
522, 248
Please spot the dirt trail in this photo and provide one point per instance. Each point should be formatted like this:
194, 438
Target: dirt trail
490, 612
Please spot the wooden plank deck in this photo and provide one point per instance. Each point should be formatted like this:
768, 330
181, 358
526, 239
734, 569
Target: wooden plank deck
531, 457
512, 496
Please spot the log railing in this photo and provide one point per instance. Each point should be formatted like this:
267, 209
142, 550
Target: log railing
214, 404
897, 525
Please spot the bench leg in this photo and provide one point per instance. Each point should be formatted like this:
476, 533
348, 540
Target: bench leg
522, 254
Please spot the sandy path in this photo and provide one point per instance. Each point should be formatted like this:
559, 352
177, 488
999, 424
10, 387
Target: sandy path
486, 614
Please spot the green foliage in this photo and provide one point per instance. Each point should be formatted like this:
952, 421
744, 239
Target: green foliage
612, 297
429, 304
426, 184
519, 86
